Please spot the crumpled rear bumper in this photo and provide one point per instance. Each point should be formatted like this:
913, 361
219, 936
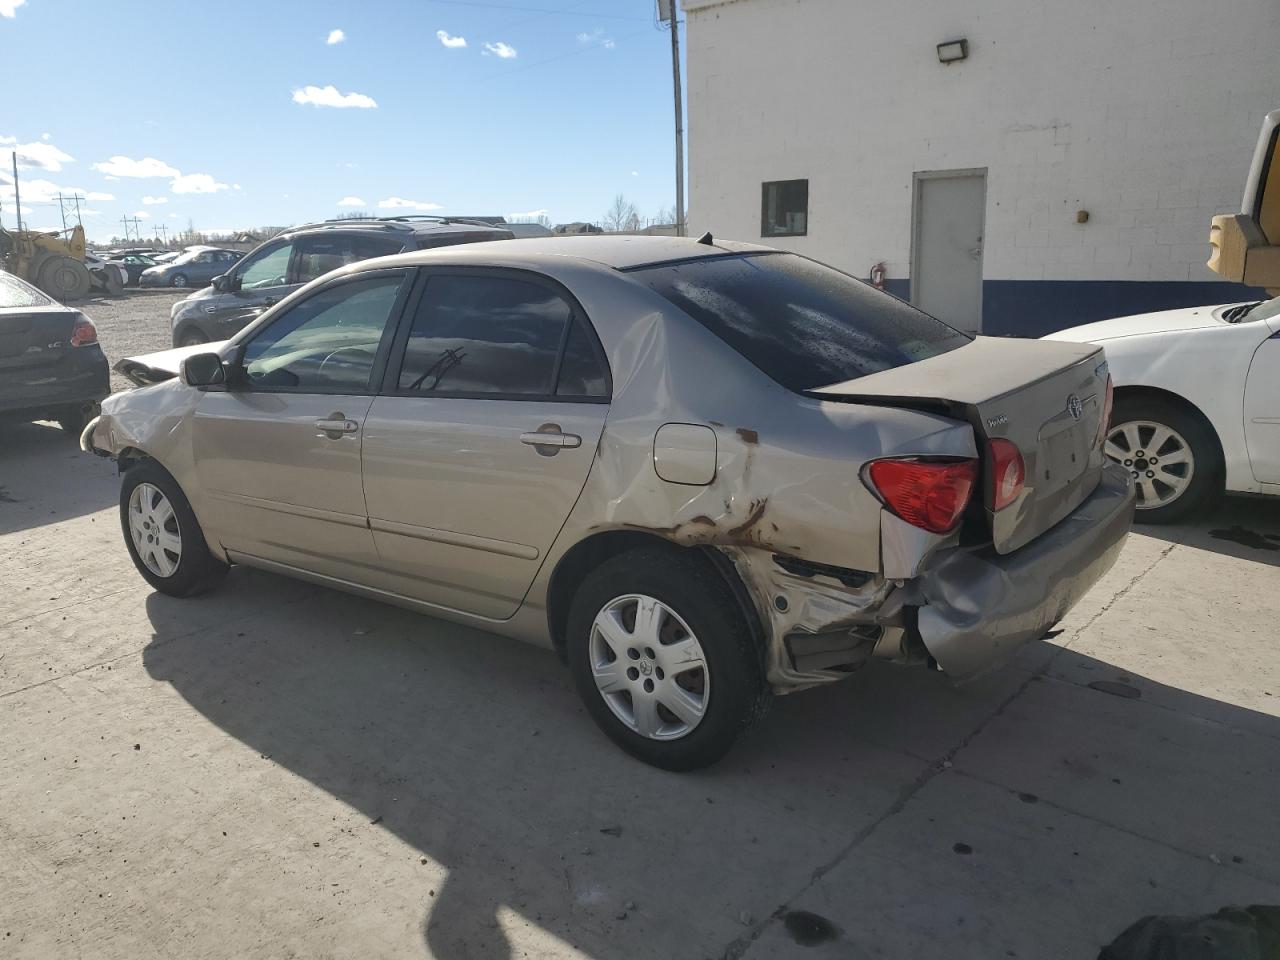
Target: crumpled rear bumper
980, 607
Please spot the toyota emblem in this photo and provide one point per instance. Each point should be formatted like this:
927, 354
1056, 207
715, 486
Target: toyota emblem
1075, 407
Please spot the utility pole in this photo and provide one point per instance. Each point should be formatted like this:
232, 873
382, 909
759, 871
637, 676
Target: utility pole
17, 198
74, 202
667, 13
137, 234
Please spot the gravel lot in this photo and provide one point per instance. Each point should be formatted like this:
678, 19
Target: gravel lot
136, 322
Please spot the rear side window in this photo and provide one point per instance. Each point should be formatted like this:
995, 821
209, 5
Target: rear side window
804, 324
498, 336
16, 293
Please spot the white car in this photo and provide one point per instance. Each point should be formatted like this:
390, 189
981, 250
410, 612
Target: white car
1197, 402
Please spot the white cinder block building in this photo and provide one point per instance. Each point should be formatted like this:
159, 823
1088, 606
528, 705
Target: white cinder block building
1062, 168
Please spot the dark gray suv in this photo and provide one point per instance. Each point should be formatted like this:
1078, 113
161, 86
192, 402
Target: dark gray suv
273, 270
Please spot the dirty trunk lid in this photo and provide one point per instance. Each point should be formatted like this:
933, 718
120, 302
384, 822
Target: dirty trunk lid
35, 336
1045, 397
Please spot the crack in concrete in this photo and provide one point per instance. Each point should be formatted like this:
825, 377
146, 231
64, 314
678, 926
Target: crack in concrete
739, 946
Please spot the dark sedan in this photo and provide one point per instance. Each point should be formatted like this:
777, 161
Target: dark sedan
134, 264
51, 367
195, 268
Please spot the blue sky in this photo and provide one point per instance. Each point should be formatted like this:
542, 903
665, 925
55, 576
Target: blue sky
551, 105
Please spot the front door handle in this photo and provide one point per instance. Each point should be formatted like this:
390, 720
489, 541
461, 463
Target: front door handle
551, 438
336, 425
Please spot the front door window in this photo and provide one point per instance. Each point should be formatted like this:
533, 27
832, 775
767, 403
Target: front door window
270, 268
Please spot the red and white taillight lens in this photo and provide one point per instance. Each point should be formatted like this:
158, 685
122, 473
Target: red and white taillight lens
930, 495
1008, 473
84, 332
1107, 403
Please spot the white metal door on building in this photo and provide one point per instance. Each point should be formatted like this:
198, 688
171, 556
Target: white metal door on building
948, 214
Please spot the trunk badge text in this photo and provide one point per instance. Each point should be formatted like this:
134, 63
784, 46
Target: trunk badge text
999, 420
1075, 407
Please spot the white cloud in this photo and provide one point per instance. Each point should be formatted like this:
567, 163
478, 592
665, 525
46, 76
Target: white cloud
236, 186
141, 215
195, 183
335, 36
594, 37
46, 136
448, 41
635, 173
500, 49
44, 156
329, 96
151, 201
96, 195
349, 165
351, 202
8, 139
9, 7
119, 166
399, 203
528, 214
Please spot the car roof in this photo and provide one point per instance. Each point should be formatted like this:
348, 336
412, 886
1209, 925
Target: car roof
391, 226
616, 251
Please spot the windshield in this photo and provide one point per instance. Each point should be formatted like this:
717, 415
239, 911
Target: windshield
16, 293
804, 324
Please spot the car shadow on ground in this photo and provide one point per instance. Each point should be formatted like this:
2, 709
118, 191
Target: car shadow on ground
474, 750
1244, 527
46, 478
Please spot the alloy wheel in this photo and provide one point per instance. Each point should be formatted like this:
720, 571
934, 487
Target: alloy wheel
1158, 458
154, 528
649, 667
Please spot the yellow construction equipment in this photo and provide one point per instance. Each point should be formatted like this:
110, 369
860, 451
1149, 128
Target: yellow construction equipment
1246, 245
51, 261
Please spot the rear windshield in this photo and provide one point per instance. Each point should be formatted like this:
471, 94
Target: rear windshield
15, 293
804, 324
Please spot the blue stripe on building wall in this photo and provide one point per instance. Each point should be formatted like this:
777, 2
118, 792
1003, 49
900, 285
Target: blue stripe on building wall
1032, 308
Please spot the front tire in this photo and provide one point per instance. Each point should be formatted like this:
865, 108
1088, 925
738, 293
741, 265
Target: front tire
65, 279
192, 337
664, 659
1171, 453
163, 536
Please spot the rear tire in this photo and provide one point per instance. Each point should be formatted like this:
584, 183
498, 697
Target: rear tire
162, 534
65, 279
178, 280
716, 682
1172, 454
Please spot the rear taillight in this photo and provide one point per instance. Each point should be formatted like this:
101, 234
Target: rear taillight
84, 332
1008, 473
1107, 403
928, 495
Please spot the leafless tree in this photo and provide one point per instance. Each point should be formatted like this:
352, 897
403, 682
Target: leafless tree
621, 215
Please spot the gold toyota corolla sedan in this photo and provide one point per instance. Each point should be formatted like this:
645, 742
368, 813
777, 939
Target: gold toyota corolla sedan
704, 472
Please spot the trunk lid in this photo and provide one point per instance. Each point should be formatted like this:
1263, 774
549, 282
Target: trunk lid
1045, 397
35, 336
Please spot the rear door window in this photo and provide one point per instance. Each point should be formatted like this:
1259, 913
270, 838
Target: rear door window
494, 336
803, 324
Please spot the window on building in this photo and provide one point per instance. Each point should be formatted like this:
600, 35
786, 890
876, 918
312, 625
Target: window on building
784, 208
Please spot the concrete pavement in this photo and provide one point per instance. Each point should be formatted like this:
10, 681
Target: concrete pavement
278, 770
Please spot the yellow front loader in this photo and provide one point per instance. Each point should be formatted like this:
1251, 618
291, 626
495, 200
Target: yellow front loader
52, 261
1246, 245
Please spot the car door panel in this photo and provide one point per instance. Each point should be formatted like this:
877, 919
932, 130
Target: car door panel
1262, 411
279, 488
482, 440
278, 453
462, 511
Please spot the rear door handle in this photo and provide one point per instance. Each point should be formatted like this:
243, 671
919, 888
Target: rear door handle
336, 425
564, 440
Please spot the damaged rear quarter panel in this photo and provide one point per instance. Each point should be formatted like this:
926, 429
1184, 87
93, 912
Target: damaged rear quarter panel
787, 478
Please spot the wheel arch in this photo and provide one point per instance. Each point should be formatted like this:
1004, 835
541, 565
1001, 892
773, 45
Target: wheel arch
594, 550
1140, 392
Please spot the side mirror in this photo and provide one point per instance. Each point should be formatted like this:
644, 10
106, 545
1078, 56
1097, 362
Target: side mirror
225, 283
202, 370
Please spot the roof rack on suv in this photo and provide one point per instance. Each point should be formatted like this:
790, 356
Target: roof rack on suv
416, 217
